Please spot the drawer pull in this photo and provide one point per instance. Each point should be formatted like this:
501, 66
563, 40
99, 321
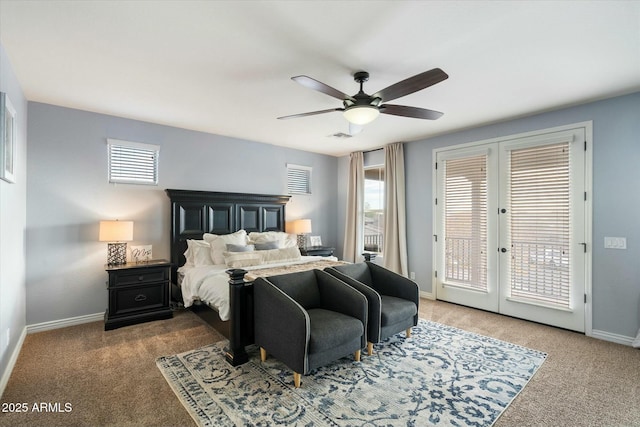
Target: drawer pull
140, 278
140, 297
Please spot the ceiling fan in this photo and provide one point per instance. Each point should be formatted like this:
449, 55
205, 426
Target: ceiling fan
361, 108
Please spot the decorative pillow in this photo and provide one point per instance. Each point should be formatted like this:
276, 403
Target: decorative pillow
240, 248
219, 243
285, 240
280, 255
242, 259
266, 246
198, 253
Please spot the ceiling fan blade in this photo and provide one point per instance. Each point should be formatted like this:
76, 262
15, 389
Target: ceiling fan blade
312, 113
412, 84
414, 112
321, 87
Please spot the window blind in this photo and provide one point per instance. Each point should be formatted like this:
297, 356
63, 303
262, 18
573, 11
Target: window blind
133, 162
465, 217
298, 179
539, 187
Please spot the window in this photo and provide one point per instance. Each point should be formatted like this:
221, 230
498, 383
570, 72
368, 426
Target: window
298, 179
133, 162
374, 209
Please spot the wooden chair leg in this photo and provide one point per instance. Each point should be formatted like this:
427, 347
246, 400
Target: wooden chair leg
263, 354
408, 332
357, 355
296, 380
369, 348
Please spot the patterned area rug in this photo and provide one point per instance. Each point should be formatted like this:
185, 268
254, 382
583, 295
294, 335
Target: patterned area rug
439, 376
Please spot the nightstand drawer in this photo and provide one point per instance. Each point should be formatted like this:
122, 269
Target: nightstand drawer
141, 275
126, 300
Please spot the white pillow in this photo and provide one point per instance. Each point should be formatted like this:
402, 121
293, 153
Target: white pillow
285, 240
219, 243
242, 259
280, 255
198, 253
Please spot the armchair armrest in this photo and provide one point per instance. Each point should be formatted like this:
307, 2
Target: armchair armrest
282, 326
393, 284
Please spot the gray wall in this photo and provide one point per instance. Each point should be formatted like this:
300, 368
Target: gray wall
13, 218
616, 201
68, 194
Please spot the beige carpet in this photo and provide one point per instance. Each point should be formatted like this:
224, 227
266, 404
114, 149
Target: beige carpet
110, 378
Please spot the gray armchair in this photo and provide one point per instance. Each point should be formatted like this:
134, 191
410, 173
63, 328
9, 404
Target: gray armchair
308, 319
393, 299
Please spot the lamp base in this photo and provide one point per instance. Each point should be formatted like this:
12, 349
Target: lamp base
117, 253
302, 241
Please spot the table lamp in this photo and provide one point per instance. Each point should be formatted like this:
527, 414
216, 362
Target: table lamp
301, 227
116, 233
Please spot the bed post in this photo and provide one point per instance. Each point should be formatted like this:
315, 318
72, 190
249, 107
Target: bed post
236, 354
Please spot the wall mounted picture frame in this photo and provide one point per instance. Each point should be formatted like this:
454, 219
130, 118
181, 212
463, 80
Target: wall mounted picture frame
8, 139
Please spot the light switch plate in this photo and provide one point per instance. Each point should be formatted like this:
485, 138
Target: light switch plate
615, 243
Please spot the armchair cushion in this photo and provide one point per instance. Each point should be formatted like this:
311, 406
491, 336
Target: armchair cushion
395, 310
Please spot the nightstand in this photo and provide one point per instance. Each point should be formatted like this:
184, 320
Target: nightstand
317, 251
138, 292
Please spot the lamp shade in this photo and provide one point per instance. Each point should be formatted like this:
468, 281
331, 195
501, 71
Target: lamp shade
301, 226
116, 231
361, 114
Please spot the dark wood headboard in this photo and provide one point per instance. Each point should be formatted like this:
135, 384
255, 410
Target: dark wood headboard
194, 213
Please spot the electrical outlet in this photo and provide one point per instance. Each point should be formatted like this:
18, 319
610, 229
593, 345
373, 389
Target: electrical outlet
615, 243
412, 275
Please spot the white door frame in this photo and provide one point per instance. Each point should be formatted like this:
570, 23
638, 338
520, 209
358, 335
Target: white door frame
588, 206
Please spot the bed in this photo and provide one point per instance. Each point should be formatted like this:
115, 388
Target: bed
220, 289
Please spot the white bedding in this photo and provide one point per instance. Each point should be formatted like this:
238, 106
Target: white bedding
210, 283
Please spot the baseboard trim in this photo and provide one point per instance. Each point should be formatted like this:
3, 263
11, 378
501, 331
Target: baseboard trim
427, 295
63, 323
608, 336
12, 362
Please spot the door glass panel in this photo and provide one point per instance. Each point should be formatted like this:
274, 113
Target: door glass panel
539, 200
465, 220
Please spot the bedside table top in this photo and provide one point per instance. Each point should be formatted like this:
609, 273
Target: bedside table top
144, 264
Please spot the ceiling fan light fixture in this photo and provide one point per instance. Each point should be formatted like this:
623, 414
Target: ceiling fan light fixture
361, 114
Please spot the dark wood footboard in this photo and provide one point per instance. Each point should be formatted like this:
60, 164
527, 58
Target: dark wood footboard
241, 317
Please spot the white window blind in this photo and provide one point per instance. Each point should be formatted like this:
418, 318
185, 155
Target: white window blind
298, 179
465, 221
539, 184
133, 162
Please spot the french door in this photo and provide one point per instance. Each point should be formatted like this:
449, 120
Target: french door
511, 227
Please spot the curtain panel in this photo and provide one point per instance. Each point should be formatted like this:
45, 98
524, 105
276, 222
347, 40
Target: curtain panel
395, 225
354, 234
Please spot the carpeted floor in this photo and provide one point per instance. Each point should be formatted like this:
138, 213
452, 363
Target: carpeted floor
110, 378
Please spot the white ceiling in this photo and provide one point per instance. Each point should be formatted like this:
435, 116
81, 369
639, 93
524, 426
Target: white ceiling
224, 67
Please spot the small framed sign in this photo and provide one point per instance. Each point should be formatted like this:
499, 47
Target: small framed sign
141, 253
315, 241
